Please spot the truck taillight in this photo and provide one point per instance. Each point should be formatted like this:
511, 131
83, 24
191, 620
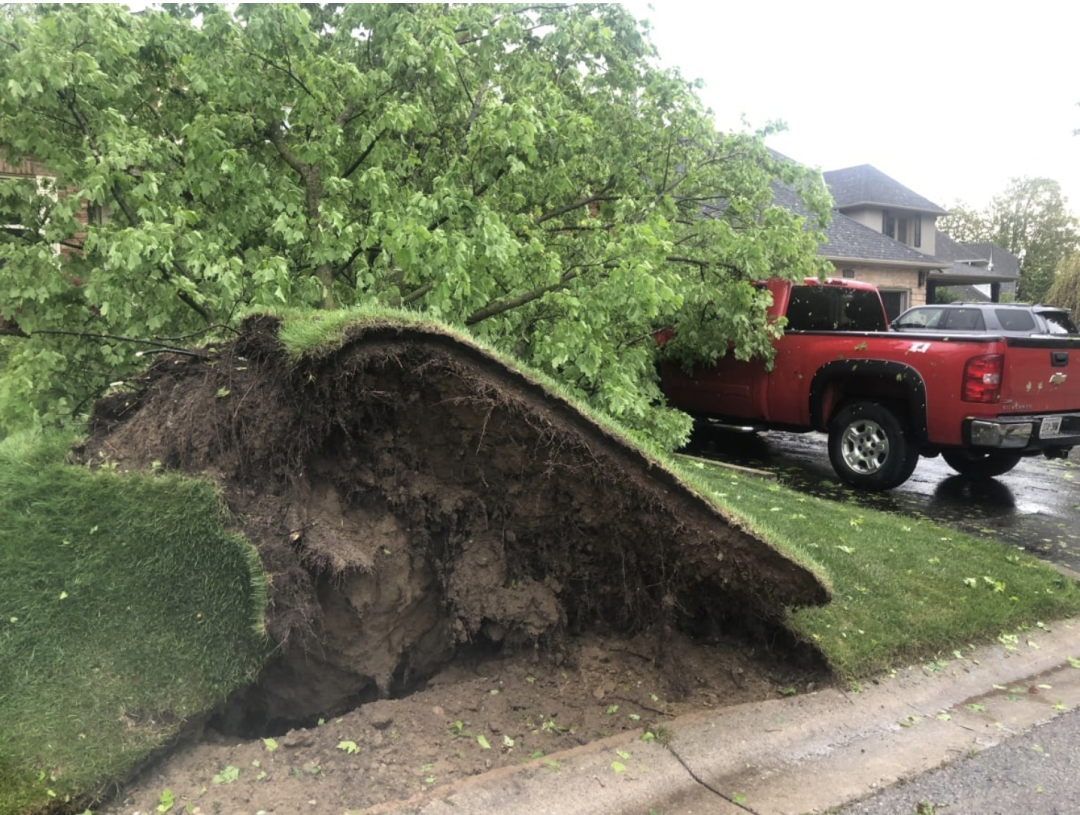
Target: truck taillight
982, 378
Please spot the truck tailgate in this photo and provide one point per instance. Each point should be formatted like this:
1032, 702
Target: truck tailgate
1042, 375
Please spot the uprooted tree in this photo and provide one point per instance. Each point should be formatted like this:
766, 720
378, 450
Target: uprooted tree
527, 172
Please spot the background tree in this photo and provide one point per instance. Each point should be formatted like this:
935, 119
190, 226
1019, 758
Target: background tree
525, 172
965, 224
1065, 291
1030, 219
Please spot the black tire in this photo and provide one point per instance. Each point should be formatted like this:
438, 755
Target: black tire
980, 465
868, 448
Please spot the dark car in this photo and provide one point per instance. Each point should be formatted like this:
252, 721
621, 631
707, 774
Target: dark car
1008, 319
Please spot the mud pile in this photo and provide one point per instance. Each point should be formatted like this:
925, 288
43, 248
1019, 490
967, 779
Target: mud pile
411, 496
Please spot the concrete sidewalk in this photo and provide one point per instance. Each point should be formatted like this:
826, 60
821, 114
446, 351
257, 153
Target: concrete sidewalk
799, 755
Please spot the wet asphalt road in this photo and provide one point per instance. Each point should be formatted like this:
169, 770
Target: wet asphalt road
1037, 773
1035, 507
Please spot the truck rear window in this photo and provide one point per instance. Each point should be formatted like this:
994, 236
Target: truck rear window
828, 308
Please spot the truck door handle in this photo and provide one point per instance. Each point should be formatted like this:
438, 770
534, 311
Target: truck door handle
1059, 359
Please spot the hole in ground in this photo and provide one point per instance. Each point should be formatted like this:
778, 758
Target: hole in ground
706, 661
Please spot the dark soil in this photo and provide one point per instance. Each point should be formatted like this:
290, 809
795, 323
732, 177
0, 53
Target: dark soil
446, 542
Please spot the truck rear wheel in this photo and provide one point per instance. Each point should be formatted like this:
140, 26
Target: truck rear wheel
868, 448
980, 465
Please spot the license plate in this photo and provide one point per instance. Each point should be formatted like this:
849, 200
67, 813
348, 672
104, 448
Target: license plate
1051, 426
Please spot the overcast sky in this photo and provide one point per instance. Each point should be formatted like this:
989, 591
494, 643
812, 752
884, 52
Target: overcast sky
951, 99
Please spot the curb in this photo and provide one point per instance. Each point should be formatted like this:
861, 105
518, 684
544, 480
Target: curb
789, 756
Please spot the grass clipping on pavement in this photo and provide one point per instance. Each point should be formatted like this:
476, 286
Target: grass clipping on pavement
126, 607
903, 589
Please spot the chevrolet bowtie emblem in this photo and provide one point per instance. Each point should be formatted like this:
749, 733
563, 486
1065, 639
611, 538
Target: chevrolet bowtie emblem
1057, 379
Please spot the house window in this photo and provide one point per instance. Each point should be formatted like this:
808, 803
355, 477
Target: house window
13, 225
9, 224
901, 229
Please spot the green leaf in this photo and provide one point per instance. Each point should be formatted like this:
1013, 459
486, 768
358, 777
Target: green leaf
349, 747
483, 742
227, 775
166, 800
270, 744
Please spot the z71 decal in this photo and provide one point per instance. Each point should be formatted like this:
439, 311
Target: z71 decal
919, 347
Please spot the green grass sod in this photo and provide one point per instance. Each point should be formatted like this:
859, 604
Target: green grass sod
126, 606
904, 590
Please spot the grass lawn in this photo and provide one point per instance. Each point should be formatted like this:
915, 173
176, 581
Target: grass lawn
903, 589
126, 607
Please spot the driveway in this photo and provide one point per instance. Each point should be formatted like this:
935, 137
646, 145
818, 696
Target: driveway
1035, 507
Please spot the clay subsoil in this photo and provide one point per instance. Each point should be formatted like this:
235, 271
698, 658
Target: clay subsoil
465, 572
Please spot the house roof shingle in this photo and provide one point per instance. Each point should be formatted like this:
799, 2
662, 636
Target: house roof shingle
867, 185
847, 239
1004, 263
948, 249
974, 259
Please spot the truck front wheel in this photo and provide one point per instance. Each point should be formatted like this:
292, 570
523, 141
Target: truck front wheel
868, 448
980, 465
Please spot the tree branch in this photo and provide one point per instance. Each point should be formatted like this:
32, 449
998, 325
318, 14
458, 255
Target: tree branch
287, 71
10, 329
309, 177
701, 264
599, 196
348, 263
277, 138
416, 294
363, 156
516, 302
519, 10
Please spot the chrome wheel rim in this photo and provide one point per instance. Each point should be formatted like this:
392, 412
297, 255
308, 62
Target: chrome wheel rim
865, 446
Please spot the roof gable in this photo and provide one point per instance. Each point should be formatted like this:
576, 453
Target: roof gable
866, 185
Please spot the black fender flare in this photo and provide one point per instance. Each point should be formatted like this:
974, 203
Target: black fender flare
910, 383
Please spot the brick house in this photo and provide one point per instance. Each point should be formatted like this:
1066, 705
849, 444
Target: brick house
886, 234
17, 169
27, 168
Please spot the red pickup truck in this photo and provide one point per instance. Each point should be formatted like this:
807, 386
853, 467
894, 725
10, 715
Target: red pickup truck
885, 397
